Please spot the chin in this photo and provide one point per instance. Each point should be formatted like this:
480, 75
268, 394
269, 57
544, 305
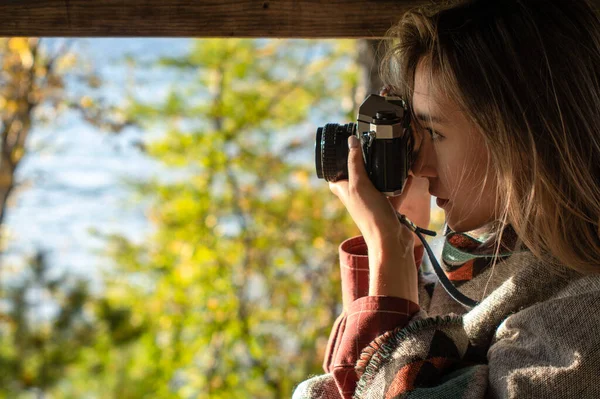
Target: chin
462, 224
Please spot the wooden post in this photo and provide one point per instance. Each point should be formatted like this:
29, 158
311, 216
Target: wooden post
212, 18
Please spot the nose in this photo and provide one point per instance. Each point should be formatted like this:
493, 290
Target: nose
424, 160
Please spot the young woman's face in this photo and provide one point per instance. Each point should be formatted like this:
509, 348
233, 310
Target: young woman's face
453, 157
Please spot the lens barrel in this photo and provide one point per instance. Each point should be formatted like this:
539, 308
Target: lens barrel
331, 151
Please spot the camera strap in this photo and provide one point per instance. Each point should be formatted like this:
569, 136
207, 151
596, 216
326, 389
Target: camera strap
441, 275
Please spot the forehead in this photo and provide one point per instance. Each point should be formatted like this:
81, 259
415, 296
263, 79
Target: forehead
430, 96
432, 102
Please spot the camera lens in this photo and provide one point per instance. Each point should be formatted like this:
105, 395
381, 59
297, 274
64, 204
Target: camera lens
331, 151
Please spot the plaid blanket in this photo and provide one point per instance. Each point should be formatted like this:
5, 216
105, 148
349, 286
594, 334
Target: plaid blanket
534, 334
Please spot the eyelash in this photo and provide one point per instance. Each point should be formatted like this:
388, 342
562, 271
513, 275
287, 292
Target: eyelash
432, 132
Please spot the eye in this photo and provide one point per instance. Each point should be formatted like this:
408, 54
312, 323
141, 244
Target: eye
434, 135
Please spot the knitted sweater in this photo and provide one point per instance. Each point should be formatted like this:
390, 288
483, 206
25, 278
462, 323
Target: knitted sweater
533, 335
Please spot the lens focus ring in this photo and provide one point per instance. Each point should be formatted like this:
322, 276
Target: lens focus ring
335, 150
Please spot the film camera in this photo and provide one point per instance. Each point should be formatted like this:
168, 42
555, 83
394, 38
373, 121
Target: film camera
383, 130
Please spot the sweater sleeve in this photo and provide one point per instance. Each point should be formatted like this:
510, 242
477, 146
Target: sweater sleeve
363, 318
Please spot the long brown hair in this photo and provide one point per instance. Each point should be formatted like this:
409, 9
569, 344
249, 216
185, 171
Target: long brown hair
526, 72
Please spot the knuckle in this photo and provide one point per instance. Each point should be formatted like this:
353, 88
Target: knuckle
360, 186
353, 189
358, 194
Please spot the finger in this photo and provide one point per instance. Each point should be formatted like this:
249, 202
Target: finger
356, 165
398, 199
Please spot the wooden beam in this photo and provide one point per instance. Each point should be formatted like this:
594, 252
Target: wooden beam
194, 18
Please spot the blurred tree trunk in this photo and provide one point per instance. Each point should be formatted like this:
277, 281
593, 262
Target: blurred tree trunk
20, 97
368, 57
32, 78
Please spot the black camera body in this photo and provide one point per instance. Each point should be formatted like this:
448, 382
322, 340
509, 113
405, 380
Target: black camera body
383, 129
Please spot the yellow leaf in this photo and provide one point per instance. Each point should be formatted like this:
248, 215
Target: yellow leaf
17, 154
86, 101
11, 106
20, 46
210, 221
185, 272
302, 177
66, 62
212, 304
165, 322
319, 242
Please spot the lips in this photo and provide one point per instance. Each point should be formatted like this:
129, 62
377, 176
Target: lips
441, 202
437, 196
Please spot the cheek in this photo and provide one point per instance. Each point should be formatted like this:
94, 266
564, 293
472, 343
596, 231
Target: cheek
470, 212
472, 189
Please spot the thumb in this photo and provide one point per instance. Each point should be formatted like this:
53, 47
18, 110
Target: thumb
356, 165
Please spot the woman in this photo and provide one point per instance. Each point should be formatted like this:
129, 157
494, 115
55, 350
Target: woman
505, 97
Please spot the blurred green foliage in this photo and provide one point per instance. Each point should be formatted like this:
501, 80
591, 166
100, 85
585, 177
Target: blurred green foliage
239, 286
35, 346
235, 293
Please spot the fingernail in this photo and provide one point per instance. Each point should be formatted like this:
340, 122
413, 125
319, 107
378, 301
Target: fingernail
352, 141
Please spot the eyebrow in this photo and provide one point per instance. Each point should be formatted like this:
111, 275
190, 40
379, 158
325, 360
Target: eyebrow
429, 118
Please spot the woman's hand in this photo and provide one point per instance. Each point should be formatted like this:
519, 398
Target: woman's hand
392, 269
416, 205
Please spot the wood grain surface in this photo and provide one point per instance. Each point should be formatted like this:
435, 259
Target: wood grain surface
213, 18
